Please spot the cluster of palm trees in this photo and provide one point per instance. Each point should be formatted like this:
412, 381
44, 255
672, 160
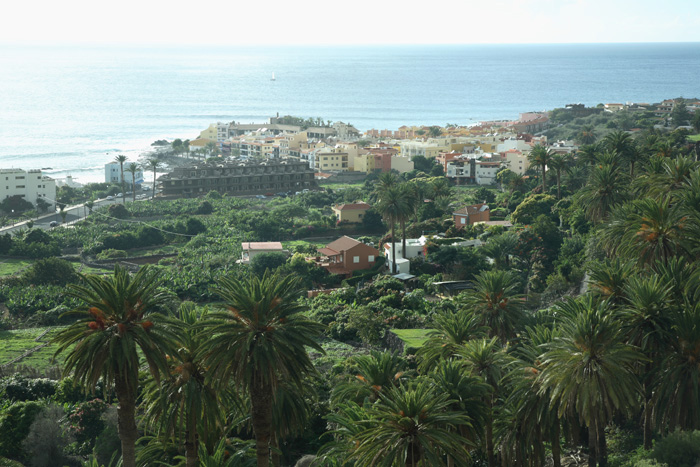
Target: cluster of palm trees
399, 202
495, 382
204, 367
132, 168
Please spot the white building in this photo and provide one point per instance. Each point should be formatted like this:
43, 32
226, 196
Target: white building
486, 172
415, 247
113, 174
30, 185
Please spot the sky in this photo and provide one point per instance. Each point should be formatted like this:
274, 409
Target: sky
284, 22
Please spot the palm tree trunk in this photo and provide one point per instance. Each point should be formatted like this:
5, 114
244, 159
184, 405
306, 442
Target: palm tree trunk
191, 442
556, 447
558, 184
126, 421
393, 249
261, 417
153, 192
647, 424
602, 449
544, 181
133, 187
518, 451
275, 445
592, 445
489, 439
403, 238
121, 165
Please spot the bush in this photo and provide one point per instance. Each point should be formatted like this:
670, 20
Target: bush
51, 271
679, 449
264, 261
15, 424
205, 208
118, 211
21, 388
47, 439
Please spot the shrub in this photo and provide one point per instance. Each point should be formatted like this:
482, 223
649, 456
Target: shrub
679, 449
46, 439
52, 271
205, 208
15, 424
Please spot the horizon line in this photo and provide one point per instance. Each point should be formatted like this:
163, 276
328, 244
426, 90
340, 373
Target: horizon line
94, 45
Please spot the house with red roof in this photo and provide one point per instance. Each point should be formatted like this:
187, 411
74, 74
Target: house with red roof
352, 212
346, 255
472, 214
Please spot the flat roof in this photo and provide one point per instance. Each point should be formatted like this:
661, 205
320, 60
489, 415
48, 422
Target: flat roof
262, 246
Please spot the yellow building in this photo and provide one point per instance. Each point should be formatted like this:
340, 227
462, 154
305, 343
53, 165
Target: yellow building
352, 213
210, 133
331, 161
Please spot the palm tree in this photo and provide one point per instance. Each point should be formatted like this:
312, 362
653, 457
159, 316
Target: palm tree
590, 370
496, 301
451, 330
541, 156
393, 206
376, 372
587, 135
132, 169
647, 322
609, 278
487, 359
534, 417
467, 394
679, 391
119, 322
619, 142
499, 248
650, 230
411, 426
605, 189
121, 159
259, 341
153, 164
184, 405
559, 162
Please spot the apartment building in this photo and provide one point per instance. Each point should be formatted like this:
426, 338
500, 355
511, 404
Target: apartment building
240, 177
30, 185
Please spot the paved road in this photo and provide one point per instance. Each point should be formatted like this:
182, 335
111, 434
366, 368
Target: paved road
74, 213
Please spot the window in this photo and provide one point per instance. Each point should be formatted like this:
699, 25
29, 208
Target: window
370, 258
20, 186
355, 259
462, 220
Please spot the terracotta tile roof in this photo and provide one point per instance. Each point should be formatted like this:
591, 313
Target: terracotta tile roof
262, 246
328, 252
344, 243
473, 209
353, 206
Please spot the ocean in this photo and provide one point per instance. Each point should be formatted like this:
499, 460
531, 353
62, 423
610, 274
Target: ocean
72, 109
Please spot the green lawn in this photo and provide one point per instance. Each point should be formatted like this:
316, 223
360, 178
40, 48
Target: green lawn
292, 243
9, 267
694, 138
412, 338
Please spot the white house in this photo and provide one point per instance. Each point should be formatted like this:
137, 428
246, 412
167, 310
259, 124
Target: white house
30, 185
113, 174
486, 172
415, 247
251, 249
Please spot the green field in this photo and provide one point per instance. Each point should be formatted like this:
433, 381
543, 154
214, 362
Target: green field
412, 338
694, 138
9, 267
15, 343
292, 243
341, 186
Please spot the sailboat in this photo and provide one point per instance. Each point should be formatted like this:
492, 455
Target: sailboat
273, 76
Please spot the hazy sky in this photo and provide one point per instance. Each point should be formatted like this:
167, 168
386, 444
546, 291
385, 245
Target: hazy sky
349, 22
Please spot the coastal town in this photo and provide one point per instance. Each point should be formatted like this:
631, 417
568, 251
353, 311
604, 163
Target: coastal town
448, 282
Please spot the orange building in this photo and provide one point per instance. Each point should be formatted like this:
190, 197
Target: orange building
469, 215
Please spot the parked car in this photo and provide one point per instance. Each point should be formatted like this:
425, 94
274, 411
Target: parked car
109, 198
53, 224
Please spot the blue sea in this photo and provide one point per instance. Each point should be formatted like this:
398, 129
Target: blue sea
74, 108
